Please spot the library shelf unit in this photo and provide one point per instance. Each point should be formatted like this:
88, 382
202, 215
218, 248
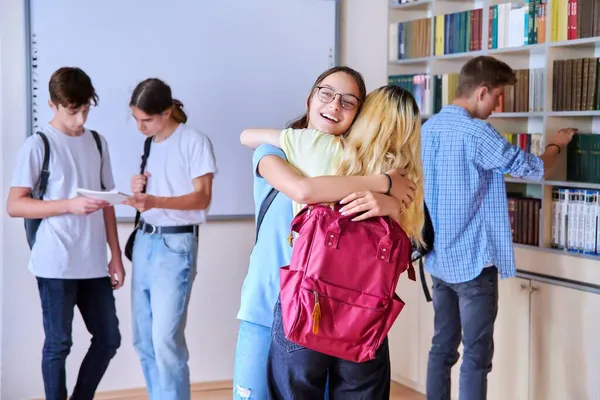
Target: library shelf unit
544, 56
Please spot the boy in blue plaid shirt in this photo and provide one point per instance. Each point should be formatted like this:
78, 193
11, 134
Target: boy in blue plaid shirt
464, 162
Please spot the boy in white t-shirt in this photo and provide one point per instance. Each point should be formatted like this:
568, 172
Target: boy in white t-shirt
69, 255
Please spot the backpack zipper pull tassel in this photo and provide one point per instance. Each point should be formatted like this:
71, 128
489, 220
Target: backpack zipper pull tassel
316, 314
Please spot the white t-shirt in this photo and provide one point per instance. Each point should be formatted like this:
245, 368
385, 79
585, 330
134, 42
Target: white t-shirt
67, 246
173, 164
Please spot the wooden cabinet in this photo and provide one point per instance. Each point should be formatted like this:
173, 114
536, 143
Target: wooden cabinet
565, 343
510, 366
546, 338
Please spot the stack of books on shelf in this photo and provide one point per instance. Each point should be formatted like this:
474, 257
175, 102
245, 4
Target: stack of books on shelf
526, 95
410, 39
517, 24
575, 85
583, 158
575, 19
419, 86
574, 216
524, 215
529, 142
444, 90
459, 32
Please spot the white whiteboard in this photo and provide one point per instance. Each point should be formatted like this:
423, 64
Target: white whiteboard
234, 64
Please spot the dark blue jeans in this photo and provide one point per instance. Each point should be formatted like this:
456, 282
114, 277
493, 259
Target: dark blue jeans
96, 303
294, 372
471, 307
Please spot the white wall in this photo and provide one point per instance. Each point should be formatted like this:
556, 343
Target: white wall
2, 215
224, 246
223, 257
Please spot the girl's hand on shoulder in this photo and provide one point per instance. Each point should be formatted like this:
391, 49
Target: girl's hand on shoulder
403, 189
138, 182
370, 204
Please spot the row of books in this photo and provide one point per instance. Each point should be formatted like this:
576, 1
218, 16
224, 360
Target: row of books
459, 32
583, 158
419, 86
410, 39
510, 25
530, 142
430, 92
524, 215
575, 19
526, 95
517, 24
575, 85
575, 216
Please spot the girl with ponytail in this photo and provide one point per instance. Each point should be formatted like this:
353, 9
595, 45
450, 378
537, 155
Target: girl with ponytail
178, 186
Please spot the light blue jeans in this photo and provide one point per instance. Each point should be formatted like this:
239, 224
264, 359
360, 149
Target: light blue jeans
164, 268
250, 370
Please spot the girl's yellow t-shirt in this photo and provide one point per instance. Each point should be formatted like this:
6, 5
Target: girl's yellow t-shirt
312, 152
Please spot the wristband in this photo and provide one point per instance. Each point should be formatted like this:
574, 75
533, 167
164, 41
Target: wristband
554, 144
389, 183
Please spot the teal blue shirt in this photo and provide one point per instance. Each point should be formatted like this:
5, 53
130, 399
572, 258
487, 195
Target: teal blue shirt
271, 252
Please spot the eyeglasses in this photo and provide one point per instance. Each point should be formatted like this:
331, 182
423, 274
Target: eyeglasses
327, 95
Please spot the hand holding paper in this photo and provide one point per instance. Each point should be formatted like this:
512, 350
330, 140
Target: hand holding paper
112, 197
141, 201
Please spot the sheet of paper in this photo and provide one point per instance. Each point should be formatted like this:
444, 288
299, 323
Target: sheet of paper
113, 197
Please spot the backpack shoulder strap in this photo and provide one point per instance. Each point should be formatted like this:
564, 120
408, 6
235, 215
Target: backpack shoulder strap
147, 145
263, 209
45, 174
99, 145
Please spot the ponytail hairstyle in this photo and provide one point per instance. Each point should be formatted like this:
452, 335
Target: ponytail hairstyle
386, 135
153, 97
302, 122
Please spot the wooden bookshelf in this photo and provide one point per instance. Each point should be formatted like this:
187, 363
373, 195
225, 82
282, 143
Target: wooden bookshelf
540, 56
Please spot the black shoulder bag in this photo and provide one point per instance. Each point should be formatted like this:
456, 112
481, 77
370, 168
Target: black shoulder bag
419, 252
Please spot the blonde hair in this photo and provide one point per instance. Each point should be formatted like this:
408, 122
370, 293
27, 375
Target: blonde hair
386, 135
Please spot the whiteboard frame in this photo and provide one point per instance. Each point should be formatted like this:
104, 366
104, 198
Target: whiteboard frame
29, 91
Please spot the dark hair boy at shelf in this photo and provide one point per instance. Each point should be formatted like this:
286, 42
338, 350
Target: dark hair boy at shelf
464, 162
68, 255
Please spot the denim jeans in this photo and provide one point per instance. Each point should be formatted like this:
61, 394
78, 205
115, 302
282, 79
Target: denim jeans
96, 303
294, 372
250, 370
471, 307
164, 268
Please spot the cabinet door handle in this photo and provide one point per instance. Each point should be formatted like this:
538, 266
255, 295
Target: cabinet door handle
523, 286
533, 289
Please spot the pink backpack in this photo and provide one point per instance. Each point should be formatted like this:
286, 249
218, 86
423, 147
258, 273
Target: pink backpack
338, 293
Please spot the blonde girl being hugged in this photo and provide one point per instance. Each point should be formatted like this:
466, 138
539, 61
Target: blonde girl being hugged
385, 136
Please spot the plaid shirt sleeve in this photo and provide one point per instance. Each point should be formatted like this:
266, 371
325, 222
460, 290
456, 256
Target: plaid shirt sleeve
495, 153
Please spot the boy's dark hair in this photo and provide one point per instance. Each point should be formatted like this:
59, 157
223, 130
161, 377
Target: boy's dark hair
70, 87
153, 97
484, 71
302, 122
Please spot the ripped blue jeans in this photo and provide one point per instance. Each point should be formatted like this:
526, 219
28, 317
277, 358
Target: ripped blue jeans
250, 371
251, 354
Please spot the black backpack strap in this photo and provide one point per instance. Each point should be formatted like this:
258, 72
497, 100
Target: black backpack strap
99, 145
263, 209
147, 145
45, 174
424, 280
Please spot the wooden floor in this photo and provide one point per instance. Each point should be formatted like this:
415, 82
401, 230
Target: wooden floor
398, 393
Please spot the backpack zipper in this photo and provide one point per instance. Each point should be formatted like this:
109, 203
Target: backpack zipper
316, 314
